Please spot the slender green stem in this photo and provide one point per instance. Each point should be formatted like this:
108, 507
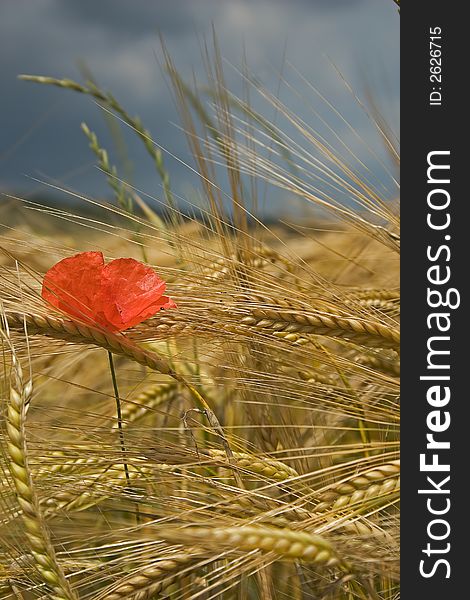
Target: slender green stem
119, 417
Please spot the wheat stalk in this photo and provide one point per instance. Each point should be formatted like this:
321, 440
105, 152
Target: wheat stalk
284, 543
149, 582
288, 325
383, 294
376, 483
146, 401
33, 520
280, 316
260, 465
89, 492
385, 364
384, 307
70, 465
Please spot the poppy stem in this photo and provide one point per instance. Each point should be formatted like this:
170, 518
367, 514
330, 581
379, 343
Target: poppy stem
119, 418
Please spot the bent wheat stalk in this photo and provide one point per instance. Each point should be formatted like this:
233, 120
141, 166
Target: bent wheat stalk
79, 333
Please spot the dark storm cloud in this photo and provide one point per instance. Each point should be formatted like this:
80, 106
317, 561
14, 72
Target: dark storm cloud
117, 39
141, 16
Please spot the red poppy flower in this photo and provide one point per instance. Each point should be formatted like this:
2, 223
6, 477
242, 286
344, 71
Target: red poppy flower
115, 296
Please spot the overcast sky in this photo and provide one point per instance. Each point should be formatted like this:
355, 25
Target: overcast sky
117, 39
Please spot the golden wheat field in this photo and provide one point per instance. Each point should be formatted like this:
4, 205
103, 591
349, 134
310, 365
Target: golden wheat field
244, 445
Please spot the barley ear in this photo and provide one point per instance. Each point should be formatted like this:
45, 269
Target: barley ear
36, 530
149, 582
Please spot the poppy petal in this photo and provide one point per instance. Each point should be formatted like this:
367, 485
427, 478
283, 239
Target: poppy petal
131, 292
116, 296
163, 303
166, 302
73, 283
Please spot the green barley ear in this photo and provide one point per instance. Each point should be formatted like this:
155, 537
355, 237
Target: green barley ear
123, 199
110, 102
